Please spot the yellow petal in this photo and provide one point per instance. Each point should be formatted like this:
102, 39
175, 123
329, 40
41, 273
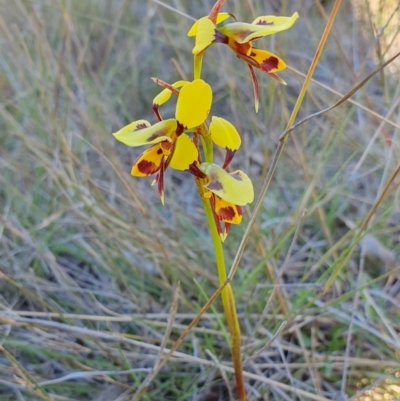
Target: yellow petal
149, 162
194, 103
224, 134
185, 153
133, 136
264, 60
165, 94
220, 18
235, 187
205, 35
226, 211
267, 25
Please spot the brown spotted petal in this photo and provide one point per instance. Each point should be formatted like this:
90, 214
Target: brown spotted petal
134, 135
149, 161
227, 212
235, 187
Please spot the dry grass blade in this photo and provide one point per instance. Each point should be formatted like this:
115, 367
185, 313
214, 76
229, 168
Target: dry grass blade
343, 99
171, 320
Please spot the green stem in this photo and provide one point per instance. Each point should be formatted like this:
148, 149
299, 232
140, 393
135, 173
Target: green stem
228, 302
228, 299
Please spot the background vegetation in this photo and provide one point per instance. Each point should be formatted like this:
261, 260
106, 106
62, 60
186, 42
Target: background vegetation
90, 260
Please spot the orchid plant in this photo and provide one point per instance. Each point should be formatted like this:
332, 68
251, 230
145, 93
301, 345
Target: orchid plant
185, 142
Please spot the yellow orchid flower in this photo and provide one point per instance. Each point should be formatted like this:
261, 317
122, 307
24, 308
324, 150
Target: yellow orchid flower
171, 146
239, 36
227, 192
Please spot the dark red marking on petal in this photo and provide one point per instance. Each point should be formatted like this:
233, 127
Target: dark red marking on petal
237, 177
256, 88
179, 128
239, 48
147, 167
216, 219
194, 169
228, 157
156, 135
159, 151
140, 126
264, 22
161, 180
269, 64
248, 59
166, 145
156, 112
220, 37
243, 34
226, 213
239, 210
215, 185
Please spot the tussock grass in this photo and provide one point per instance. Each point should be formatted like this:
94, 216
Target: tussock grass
90, 261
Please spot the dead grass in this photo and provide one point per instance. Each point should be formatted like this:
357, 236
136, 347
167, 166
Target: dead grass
90, 261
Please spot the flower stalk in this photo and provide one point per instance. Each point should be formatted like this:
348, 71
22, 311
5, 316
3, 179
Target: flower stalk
227, 296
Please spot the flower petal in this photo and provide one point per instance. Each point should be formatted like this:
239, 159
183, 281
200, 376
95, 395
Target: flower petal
165, 94
224, 134
141, 133
242, 32
266, 61
194, 103
220, 18
205, 35
185, 153
149, 162
227, 212
274, 21
235, 187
